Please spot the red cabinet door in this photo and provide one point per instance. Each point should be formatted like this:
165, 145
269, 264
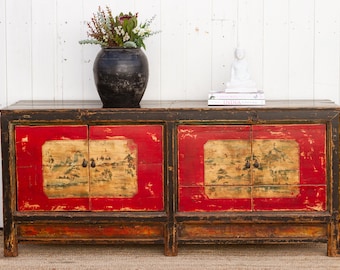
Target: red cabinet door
206, 155
252, 168
104, 168
127, 173
50, 175
292, 175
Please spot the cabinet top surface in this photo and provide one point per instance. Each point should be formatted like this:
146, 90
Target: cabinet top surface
168, 105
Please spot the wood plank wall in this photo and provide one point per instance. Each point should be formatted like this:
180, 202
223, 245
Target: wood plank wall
292, 46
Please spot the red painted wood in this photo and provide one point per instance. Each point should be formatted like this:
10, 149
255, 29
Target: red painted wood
312, 141
312, 187
191, 140
310, 198
29, 141
31, 196
149, 141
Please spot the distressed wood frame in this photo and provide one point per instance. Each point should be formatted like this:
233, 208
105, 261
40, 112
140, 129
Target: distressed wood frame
170, 227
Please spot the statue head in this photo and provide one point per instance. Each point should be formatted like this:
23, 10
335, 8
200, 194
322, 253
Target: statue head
239, 53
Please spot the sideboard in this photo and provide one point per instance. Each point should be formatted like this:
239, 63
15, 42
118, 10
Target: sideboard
170, 173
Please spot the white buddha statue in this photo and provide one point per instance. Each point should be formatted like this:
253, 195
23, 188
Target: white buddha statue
240, 80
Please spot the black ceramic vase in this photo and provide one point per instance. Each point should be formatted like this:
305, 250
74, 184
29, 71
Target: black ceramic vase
121, 76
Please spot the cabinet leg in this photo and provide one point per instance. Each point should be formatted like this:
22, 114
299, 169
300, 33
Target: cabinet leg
171, 246
10, 245
332, 243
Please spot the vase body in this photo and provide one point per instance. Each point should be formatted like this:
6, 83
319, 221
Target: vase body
121, 76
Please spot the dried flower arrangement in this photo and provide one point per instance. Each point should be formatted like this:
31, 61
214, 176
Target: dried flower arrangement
123, 30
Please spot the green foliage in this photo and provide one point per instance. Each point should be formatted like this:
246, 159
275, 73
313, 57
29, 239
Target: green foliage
123, 30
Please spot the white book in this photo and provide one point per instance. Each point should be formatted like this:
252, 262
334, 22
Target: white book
236, 95
234, 102
242, 89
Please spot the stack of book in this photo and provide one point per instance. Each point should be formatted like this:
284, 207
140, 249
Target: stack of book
236, 98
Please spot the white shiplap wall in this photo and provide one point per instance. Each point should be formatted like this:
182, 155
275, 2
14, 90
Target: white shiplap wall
292, 46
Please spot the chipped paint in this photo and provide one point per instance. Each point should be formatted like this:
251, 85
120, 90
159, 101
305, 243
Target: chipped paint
64, 138
115, 137
153, 137
183, 133
316, 207
81, 208
29, 206
59, 208
148, 187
